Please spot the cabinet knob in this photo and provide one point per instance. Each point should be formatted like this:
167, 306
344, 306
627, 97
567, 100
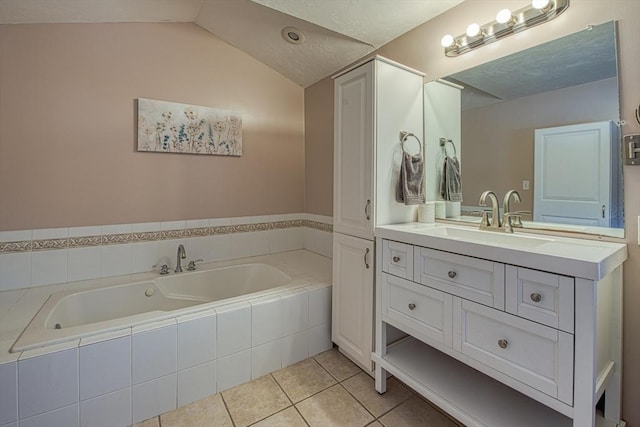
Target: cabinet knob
503, 343
412, 306
535, 297
396, 259
452, 274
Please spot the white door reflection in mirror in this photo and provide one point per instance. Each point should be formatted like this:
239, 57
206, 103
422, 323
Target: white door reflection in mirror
573, 171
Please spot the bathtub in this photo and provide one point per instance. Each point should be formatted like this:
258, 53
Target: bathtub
147, 344
70, 315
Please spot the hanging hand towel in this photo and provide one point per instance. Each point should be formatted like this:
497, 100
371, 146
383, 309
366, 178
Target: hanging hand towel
410, 189
450, 187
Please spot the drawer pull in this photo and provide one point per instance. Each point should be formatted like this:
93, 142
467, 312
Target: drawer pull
503, 343
412, 306
535, 297
452, 274
396, 259
366, 262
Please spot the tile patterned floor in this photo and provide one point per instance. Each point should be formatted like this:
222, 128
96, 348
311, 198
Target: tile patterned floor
322, 391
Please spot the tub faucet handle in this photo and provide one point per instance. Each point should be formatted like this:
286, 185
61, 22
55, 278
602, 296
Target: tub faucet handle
192, 264
164, 268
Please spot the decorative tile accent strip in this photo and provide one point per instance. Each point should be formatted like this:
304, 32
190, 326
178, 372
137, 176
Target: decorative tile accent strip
21, 246
42, 245
151, 236
222, 229
84, 241
173, 234
319, 226
117, 239
199, 232
146, 236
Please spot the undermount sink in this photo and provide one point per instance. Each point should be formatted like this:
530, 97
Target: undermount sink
500, 238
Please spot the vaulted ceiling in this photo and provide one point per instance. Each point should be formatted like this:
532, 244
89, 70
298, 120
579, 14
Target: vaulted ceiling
336, 32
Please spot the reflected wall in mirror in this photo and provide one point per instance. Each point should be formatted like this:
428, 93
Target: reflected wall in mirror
569, 81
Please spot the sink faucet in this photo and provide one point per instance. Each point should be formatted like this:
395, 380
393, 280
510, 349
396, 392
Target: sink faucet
182, 254
495, 211
511, 219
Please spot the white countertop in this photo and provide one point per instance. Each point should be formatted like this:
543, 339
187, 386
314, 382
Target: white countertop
588, 259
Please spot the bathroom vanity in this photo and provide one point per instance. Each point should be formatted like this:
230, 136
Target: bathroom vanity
503, 329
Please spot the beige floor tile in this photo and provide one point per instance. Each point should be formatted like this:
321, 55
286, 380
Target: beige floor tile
362, 387
287, 418
375, 424
206, 412
303, 379
415, 412
151, 422
334, 407
338, 365
254, 401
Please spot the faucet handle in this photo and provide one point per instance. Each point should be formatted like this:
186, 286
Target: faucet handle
511, 220
164, 268
192, 264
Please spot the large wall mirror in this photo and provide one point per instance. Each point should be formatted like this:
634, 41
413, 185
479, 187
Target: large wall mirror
545, 122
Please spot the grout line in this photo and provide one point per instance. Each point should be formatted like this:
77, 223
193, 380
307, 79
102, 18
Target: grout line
358, 401
227, 409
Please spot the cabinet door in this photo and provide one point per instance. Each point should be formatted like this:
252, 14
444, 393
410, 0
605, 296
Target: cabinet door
352, 314
353, 155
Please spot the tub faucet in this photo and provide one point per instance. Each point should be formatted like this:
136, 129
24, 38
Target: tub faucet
182, 254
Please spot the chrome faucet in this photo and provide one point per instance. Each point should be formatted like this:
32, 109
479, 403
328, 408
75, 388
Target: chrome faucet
182, 254
495, 211
511, 219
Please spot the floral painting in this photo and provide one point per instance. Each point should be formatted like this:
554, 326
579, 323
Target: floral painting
169, 127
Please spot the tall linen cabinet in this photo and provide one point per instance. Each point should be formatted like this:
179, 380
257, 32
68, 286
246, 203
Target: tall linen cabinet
373, 102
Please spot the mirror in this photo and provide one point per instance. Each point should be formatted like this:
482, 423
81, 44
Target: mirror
509, 103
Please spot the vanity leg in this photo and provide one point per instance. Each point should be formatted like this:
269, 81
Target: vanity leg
613, 400
584, 403
381, 379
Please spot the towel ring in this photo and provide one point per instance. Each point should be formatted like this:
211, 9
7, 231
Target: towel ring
443, 144
403, 138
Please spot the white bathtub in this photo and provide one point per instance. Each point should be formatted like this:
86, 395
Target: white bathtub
72, 315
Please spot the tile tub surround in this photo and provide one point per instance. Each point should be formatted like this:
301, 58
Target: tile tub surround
349, 401
137, 373
47, 256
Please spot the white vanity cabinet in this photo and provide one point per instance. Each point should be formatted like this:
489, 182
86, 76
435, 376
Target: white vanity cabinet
499, 344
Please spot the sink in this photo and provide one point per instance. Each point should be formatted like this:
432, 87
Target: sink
499, 238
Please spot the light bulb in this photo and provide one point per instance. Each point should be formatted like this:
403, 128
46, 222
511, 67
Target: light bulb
540, 4
473, 30
447, 40
504, 16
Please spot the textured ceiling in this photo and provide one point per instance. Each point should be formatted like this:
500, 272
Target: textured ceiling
337, 32
579, 58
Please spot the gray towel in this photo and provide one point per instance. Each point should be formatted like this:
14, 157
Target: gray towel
410, 189
450, 187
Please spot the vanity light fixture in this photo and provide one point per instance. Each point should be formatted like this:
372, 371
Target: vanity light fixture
506, 23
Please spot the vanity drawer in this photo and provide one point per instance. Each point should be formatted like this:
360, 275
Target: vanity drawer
420, 311
537, 355
470, 278
397, 259
542, 297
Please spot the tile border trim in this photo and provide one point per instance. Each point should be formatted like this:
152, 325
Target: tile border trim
151, 236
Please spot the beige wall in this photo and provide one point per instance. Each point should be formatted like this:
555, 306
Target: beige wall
67, 127
499, 137
420, 49
318, 119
